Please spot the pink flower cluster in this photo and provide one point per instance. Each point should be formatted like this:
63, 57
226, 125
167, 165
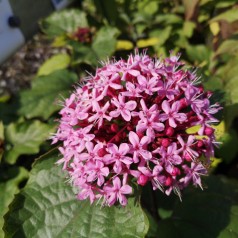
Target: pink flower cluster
127, 125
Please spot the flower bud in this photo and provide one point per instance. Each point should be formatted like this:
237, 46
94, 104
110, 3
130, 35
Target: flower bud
114, 127
208, 131
168, 181
142, 180
101, 152
165, 142
169, 131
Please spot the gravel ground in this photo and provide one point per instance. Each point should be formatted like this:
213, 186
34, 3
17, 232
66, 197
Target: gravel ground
17, 72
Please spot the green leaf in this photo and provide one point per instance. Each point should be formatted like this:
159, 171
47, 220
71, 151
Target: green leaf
108, 9
209, 213
232, 89
83, 54
228, 46
66, 21
168, 19
25, 138
228, 149
47, 207
229, 70
198, 53
40, 100
188, 28
56, 62
9, 187
1, 139
147, 6
230, 16
105, 42
225, 4
162, 34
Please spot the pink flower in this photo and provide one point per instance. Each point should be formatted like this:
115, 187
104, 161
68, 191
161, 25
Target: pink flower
118, 156
128, 124
194, 173
117, 192
100, 114
139, 147
172, 114
97, 171
123, 109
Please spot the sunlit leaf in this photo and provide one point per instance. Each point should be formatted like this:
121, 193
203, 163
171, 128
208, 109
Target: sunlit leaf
66, 21
124, 45
228, 46
219, 130
56, 62
230, 16
188, 28
147, 42
215, 28
59, 41
47, 207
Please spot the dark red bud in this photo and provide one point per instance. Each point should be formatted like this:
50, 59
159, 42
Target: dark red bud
142, 180
169, 131
183, 103
176, 171
187, 157
102, 152
114, 127
168, 181
208, 131
200, 144
165, 142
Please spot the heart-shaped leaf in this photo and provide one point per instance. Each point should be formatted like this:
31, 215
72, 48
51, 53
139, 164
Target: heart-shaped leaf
66, 21
47, 207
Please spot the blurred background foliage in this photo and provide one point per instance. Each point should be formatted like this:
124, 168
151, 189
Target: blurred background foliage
204, 31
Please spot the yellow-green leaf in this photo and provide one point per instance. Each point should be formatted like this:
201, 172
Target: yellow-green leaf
147, 42
124, 45
1, 139
219, 130
215, 28
215, 162
56, 62
59, 41
229, 16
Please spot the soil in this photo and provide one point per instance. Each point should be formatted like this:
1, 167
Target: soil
17, 72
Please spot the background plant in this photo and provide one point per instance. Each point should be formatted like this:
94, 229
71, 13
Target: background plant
205, 32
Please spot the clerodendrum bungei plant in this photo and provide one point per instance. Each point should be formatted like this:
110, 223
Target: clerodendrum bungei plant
127, 125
